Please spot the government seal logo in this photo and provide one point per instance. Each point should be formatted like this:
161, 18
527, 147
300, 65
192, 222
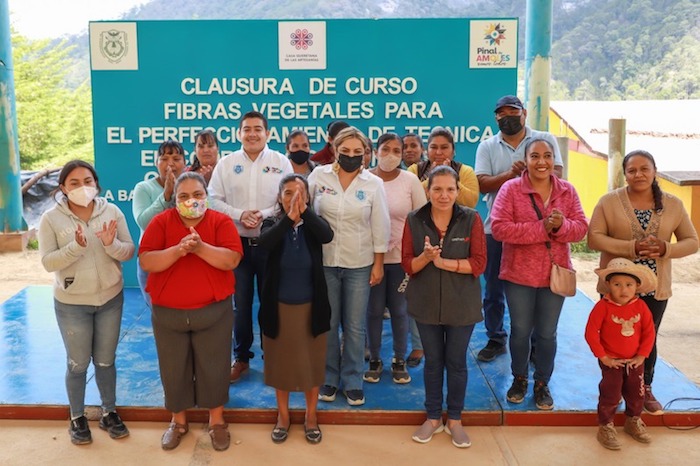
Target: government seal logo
114, 45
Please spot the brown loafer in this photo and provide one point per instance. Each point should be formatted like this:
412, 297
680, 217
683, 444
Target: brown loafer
171, 437
220, 437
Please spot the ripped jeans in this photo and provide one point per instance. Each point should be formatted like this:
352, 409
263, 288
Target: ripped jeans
90, 332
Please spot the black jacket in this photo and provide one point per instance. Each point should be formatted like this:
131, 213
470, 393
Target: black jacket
317, 232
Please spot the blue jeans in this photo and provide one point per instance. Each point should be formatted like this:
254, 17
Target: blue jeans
252, 267
90, 332
533, 311
445, 347
142, 278
494, 300
416, 344
348, 294
385, 295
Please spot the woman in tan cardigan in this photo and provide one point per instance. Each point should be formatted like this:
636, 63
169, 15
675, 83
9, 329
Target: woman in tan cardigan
637, 222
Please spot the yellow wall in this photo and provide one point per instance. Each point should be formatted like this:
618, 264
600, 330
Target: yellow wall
589, 175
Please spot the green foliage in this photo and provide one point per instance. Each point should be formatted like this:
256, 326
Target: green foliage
581, 248
33, 244
54, 122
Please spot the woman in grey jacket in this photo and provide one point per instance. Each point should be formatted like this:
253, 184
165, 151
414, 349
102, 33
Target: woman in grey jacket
444, 252
84, 239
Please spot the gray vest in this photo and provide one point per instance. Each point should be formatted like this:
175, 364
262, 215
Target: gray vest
436, 296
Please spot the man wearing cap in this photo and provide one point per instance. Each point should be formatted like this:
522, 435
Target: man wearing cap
327, 155
498, 159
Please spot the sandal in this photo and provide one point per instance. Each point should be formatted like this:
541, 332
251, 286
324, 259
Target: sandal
279, 434
414, 358
313, 434
171, 437
220, 436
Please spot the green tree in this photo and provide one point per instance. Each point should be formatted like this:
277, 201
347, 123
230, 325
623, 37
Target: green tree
54, 123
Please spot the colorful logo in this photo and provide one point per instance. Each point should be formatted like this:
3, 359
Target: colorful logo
274, 170
238, 169
327, 190
360, 195
494, 34
302, 39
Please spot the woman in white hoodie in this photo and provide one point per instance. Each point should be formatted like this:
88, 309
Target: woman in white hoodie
84, 239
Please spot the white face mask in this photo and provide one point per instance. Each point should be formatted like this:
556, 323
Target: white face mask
83, 195
389, 162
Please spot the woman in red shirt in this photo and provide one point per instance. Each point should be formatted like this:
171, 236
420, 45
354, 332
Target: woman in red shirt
190, 253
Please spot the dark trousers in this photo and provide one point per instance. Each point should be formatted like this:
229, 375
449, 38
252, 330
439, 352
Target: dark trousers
445, 348
625, 382
657, 309
251, 268
494, 295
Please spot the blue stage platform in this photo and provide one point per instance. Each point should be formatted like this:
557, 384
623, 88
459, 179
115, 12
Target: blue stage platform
32, 364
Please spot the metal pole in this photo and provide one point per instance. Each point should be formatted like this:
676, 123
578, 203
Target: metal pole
10, 195
538, 68
617, 130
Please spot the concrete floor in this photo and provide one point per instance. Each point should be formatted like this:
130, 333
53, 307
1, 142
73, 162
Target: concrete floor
47, 442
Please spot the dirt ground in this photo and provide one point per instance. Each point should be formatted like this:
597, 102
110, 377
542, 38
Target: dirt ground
679, 333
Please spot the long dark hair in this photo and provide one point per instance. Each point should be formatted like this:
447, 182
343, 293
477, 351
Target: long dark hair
208, 136
68, 168
655, 188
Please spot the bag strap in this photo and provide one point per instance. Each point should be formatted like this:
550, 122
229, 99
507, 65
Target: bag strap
539, 216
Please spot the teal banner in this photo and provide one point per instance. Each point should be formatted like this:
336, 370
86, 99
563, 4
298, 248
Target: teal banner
159, 80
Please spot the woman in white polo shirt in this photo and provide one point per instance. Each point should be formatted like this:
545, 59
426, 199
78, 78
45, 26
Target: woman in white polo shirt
353, 202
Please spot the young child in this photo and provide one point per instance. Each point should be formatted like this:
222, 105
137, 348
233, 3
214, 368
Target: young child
620, 332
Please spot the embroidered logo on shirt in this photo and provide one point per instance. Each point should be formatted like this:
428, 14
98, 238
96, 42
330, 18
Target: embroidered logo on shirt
269, 169
238, 169
327, 190
627, 329
360, 195
461, 240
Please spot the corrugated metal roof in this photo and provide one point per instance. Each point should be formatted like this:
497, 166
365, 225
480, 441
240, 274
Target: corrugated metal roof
668, 129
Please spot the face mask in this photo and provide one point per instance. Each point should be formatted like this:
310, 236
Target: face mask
510, 125
389, 163
192, 208
299, 156
83, 195
348, 163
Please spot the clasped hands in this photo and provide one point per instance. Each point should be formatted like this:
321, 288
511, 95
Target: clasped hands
615, 363
432, 253
553, 221
650, 247
190, 243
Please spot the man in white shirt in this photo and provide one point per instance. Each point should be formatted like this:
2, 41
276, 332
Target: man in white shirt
244, 185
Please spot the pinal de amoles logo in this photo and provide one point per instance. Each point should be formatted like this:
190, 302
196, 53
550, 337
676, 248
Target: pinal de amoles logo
113, 45
494, 34
302, 39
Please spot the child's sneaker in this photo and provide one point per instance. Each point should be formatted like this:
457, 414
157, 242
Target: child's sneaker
399, 374
516, 392
375, 371
637, 429
607, 436
543, 398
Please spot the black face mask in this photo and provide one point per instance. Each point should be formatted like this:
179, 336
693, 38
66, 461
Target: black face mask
510, 125
299, 156
348, 163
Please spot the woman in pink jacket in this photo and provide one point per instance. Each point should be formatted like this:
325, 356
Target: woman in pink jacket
528, 237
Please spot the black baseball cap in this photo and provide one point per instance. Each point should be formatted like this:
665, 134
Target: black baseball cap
509, 101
